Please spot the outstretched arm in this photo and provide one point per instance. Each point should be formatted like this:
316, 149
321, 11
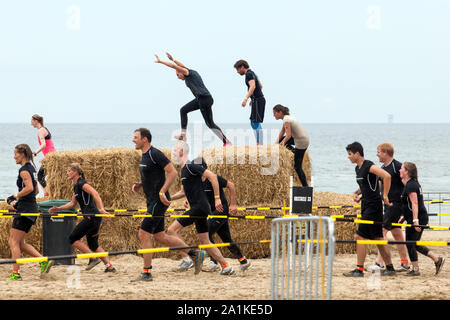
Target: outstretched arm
180, 69
178, 63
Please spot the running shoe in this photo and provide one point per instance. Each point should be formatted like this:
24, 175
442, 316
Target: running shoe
46, 265
227, 271
185, 265
198, 261
211, 267
180, 137
376, 267
388, 273
412, 273
439, 265
14, 277
245, 266
92, 263
110, 269
354, 273
403, 268
145, 276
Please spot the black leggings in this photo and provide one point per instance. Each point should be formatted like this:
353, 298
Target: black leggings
299, 154
222, 228
204, 103
413, 235
89, 227
41, 176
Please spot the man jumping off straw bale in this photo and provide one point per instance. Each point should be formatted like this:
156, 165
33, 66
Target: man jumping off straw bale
203, 100
154, 167
192, 188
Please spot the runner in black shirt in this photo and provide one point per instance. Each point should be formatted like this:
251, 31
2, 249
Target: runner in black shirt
385, 153
192, 188
415, 213
367, 176
218, 225
203, 99
25, 202
90, 203
254, 92
157, 175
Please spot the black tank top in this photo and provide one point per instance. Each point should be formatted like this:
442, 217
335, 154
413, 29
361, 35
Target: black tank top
27, 204
84, 199
49, 135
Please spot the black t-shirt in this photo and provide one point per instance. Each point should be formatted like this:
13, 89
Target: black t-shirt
395, 192
152, 173
27, 204
410, 187
368, 183
195, 83
208, 188
84, 199
250, 75
191, 178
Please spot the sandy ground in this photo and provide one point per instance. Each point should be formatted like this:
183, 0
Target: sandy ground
74, 283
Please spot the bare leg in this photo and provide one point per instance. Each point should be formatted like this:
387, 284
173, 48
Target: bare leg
85, 249
214, 251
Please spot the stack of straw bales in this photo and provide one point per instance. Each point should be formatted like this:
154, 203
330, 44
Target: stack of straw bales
261, 173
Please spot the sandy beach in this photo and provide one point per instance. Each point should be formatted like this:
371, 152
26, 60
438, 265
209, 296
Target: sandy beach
75, 283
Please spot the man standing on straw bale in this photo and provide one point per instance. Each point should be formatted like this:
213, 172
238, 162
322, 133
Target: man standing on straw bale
257, 102
192, 188
367, 177
203, 100
392, 214
154, 167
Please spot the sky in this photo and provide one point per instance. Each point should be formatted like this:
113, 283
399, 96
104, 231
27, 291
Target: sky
329, 61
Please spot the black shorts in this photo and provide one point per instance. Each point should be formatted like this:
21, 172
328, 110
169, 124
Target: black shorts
199, 219
154, 224
373, 212
89, 227
22, 223
258, 108
392, 215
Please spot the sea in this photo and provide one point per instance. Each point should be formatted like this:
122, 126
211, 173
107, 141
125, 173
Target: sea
427, 145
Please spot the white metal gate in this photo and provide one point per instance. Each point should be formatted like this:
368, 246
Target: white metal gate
302, 254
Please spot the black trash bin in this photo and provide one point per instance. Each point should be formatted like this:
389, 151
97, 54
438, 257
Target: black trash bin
56, 231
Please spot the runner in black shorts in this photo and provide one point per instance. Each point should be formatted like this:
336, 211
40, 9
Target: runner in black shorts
392, 214
25, 202
90, 203
157, 175
192, 188
367, 175
203, 99
254, 92
416, 214
219, 225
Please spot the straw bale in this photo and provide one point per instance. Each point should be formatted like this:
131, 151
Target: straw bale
111, 172
261, 173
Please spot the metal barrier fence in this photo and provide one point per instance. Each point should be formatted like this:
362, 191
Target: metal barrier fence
302, 254
435, 202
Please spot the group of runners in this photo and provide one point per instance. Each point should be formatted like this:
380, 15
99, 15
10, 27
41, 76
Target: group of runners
203, 189
396, 185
